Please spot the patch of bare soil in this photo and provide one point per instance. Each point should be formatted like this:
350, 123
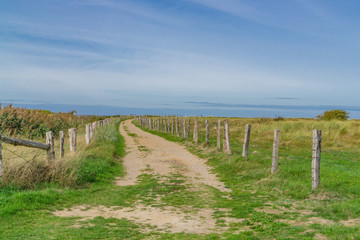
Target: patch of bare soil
351, 222
272, 208
166, 219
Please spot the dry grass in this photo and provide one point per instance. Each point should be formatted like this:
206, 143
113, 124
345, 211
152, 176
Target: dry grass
26, 167
337, 134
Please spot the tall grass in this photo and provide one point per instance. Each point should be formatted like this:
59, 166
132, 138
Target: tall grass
28, 188
33, 124
295, 133
26, 168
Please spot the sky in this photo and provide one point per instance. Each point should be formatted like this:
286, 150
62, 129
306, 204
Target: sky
180, 53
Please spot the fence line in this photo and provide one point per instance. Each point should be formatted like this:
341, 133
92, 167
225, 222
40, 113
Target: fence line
49, 146
184, 132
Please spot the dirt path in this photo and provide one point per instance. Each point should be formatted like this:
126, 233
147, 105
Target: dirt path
152, 154
163, 157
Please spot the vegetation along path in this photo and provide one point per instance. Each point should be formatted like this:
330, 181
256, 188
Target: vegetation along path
183, 177
159, 190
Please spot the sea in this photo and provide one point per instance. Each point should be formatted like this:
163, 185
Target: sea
237, 110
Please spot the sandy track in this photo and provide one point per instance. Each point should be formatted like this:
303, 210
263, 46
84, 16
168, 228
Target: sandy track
146, 151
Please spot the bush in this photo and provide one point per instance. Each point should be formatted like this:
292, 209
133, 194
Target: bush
33, 123
334, 114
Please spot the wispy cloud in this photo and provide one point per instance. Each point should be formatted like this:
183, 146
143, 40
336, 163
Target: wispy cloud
289, 15
156, 52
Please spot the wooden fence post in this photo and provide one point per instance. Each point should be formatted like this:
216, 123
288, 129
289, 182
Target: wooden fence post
50, 141
275, 156
87, 134
166, 125
226, 142
245, 152
316, 154
172, 125
61, 133
177, 127
188, 129
94, 126
218, 135
195, 136
183, 127
169, 124
91, 131
1, 161
72, 138
207, 136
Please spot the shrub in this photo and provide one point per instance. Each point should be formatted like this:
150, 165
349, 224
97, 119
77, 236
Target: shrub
33, 123
334, 114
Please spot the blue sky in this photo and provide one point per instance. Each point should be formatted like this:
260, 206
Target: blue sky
171, 53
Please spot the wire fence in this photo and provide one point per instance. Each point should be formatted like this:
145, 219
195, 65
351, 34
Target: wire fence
297, 146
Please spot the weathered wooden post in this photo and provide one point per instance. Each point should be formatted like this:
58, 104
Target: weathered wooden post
166, 126
196, 136
177, 127
207, 136
183, 129
94, 127
316, 154
87, 134
169, 124
172, 125
246, 140
72, 138
218, 134
61, 133
226, 142
275, 156
91, 131
50, 141
188, 129
1, 160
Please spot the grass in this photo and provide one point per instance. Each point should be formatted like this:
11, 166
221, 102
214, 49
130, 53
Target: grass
254, 186
26, 167
269, 204
96, 166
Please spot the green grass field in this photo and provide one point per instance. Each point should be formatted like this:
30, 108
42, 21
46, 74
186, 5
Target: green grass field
286, 207
270, 206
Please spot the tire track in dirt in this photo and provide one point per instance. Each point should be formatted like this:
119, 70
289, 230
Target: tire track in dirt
163, 157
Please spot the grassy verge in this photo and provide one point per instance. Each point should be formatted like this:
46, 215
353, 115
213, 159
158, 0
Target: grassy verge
283, 205
24, 213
